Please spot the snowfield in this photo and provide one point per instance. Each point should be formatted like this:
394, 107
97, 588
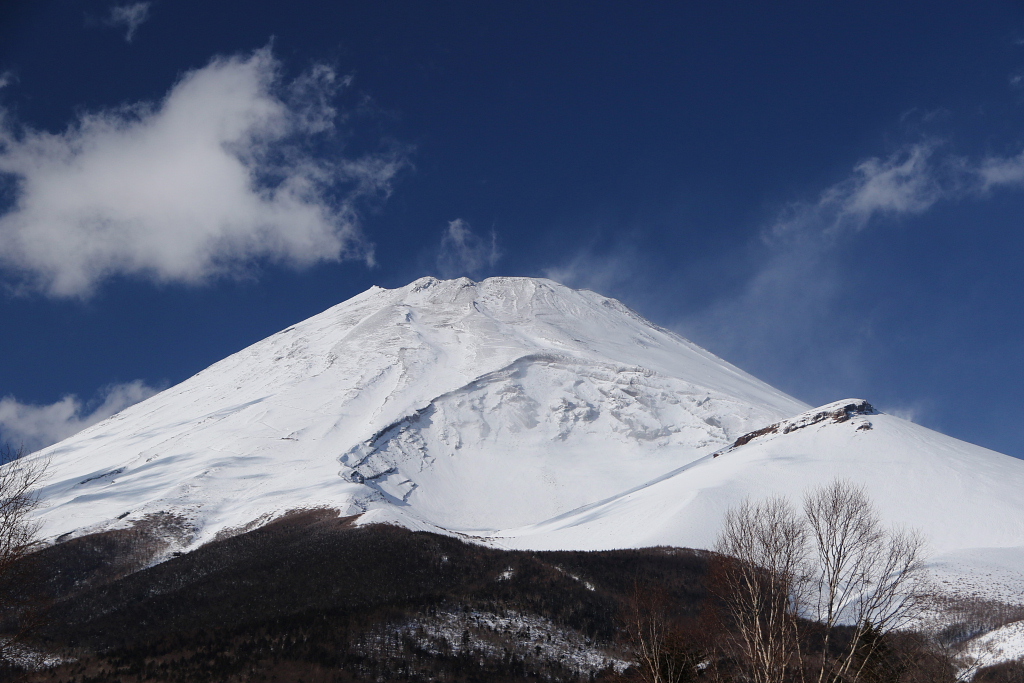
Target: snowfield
1004, 644
464, 406
965, 498
519, 413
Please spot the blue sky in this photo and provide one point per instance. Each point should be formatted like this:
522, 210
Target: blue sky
828, 195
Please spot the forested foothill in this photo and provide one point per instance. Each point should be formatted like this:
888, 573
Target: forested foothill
313, 597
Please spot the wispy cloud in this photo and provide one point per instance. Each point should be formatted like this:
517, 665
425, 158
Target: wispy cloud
785, 323
463, 252
38, 426
1001, 172
909, 181
602, 273
233, 167
130, 17
790, 320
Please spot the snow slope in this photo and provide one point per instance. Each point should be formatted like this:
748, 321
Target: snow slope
964, 497
459, 405
1004, 644
524, 414
968, 501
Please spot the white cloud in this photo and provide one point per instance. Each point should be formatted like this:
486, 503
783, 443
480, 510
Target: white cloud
463, 252
788, 319
130, 17
795, 316
907, 182
221, 174
995, 172
788, 316
36, 427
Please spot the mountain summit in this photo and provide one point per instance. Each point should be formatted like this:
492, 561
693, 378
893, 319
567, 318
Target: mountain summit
467, 406
514, 410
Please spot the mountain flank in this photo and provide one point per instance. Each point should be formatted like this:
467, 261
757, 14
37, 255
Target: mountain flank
554, 429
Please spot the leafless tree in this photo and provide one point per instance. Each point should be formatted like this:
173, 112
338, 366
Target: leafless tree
862, 574
763, 549
19, 478
664, 653
836, 564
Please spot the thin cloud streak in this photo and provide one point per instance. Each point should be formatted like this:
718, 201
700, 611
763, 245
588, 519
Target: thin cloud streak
788, 321
130, 17
907, 182
38, 426
603, 274
998, 172
220, 175
791, 317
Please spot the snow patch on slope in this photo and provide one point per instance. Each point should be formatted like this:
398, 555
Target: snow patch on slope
1004, 644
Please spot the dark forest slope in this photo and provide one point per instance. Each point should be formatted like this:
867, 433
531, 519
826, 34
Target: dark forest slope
311, 595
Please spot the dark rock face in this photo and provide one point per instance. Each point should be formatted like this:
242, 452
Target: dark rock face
837, 412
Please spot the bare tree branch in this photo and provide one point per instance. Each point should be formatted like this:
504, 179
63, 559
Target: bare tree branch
865, 575
836, 565
19, 479
764, 548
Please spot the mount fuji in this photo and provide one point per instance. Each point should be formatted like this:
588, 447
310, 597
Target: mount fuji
519, 413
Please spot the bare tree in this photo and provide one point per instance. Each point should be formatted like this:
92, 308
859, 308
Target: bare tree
836, 564
763, 550
862, 574
665, 654
19, 477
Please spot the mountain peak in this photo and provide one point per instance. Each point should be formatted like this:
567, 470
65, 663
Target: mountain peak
465, 404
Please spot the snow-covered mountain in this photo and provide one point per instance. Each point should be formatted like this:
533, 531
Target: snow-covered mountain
521, 413
462, 405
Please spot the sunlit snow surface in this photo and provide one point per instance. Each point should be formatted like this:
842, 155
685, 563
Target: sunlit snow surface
523, 414
968, 500
1004, 644
469, 406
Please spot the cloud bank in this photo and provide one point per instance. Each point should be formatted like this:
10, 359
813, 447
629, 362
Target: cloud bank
223, 173
130, 17
36, 427
463, 252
